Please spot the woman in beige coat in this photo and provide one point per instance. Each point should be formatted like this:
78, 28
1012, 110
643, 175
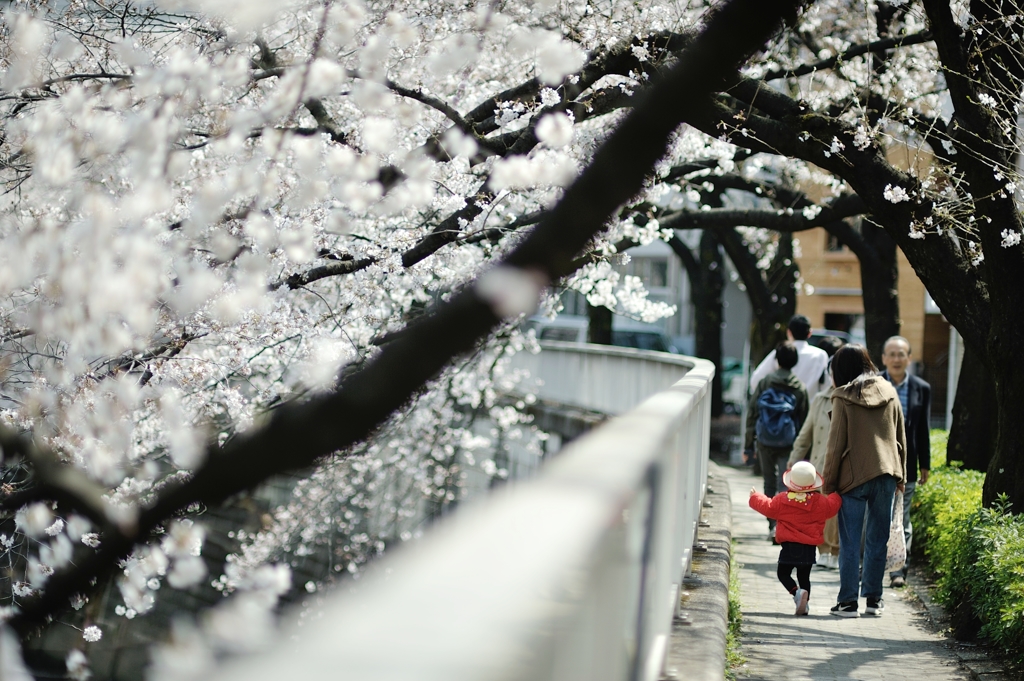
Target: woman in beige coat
810, 445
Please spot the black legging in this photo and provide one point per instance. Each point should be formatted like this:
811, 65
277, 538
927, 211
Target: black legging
803, 575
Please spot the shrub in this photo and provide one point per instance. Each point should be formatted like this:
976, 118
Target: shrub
977, 554
941, 507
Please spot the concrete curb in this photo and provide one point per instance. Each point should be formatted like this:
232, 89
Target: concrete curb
973, 658
697, 646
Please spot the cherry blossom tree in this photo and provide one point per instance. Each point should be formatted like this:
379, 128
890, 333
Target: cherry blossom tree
955, 216
242, 239
909, 110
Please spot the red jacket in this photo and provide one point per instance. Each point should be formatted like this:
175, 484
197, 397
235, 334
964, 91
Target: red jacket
799, 521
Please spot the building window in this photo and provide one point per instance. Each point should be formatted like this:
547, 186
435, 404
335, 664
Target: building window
574, 302
653, 272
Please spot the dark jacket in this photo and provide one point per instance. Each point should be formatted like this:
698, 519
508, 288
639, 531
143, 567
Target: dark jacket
867, 438
786, 380
916, 421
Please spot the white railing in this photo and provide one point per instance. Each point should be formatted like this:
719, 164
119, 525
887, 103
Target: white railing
573, 575
601, 378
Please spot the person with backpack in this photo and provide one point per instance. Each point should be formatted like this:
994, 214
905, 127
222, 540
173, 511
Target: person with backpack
777, 410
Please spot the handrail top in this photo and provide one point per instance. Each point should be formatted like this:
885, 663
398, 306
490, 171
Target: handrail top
619, 351
487, 593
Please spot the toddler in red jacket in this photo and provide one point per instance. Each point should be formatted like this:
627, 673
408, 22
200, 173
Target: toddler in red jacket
801, 514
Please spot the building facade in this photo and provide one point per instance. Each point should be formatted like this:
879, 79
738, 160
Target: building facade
831, 298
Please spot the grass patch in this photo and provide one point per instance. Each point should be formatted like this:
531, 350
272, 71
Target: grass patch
733, 655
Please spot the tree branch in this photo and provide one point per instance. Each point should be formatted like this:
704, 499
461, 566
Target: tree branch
328, 423
786, 221
855, 51
685, 255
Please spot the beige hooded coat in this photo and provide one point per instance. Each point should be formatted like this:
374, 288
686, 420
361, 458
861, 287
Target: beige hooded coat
812, 441
867, 437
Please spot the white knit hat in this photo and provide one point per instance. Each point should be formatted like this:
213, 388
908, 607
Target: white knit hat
802, 477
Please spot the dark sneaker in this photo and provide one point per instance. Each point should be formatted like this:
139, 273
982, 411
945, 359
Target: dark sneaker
875, 607
848, 609
897, 582
800, 598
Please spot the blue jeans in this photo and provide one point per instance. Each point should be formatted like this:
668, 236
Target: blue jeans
874, 499
908, 530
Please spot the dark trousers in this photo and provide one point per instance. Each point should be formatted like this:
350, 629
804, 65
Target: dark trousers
803, 576
773, 465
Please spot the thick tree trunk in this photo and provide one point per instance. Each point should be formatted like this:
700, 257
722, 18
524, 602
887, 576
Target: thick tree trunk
879, 277
972, 437
771, 322
706, 286
1006, 469
707, 301
785, 274
764, 336
600, 325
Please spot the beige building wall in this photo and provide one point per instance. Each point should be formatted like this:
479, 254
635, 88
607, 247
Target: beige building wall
832, 285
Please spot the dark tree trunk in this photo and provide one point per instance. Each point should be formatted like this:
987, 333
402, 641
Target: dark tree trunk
770, 327
973, 434
771, 311
879, 278
708, 312
599, 329
706, 286
1006, 468
784, 274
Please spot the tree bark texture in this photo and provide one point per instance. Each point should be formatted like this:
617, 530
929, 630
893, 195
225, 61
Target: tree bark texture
706, 286
1006, 469
879, 277
768, 326
781, 277
972, 436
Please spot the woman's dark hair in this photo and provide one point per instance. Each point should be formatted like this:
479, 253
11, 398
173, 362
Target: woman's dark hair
849, 362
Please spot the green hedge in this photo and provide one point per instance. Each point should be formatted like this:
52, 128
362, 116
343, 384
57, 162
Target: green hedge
977, 553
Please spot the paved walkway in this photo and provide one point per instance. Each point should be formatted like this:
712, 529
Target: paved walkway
782, 647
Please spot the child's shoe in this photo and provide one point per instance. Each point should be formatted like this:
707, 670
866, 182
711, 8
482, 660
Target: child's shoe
800, 597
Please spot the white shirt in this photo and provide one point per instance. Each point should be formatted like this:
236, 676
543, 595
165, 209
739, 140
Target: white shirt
810, 365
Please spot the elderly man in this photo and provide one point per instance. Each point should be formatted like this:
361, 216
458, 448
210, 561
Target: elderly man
916, 400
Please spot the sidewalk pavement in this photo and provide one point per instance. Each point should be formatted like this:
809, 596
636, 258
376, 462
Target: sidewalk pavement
782, 647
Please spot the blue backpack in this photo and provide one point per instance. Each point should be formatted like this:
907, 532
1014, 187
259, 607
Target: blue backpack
776, 425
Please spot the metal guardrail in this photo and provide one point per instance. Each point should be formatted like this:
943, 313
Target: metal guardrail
573, 575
